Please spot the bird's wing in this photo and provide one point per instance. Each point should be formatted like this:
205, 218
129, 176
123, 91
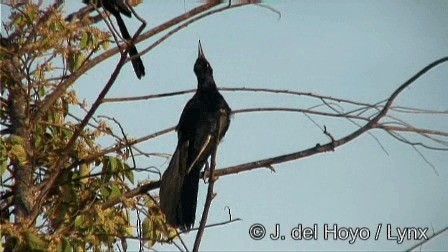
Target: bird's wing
200, 152
224, 121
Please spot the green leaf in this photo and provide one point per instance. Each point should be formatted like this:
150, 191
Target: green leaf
84, 171
64, 246
34, 242
67, 133
44, 44
150, 231
19, 153
147, 226
3, 167
84, 39
115, 191
57, 27
67, 246
129, 175
41, 91
79, 220
3, 158
106, 170
38, 142
105, 192
113, 165
18, 21
129, 230
32, 15
74, 61
105, 45
14, 139
172, 232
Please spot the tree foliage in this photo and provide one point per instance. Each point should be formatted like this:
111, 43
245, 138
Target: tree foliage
41, 51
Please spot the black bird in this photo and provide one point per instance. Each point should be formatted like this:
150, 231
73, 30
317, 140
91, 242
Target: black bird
203, 123
115, 7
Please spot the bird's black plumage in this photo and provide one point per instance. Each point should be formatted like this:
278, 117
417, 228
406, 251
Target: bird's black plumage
203, 123
117, 7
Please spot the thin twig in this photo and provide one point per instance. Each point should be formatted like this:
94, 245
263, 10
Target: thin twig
412, 129
124, 137
420, 244
216, 224
142, 20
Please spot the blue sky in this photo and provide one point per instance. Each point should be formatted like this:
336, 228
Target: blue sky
359, 50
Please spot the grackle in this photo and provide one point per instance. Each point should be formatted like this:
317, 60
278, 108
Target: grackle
115, 7
203, 123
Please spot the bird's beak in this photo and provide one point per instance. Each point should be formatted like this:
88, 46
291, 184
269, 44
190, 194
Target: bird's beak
200, 52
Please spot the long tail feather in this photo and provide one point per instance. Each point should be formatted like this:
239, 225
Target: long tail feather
136, 61
179, 189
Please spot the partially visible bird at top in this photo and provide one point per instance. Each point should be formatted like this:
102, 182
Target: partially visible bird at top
117, 7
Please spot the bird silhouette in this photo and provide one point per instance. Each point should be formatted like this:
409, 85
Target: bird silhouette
203, 123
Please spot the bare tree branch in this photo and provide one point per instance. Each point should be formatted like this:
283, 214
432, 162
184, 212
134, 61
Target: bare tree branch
373, 123
241, 89
330, 146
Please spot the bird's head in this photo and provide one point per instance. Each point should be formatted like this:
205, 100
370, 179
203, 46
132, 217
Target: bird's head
202, 68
